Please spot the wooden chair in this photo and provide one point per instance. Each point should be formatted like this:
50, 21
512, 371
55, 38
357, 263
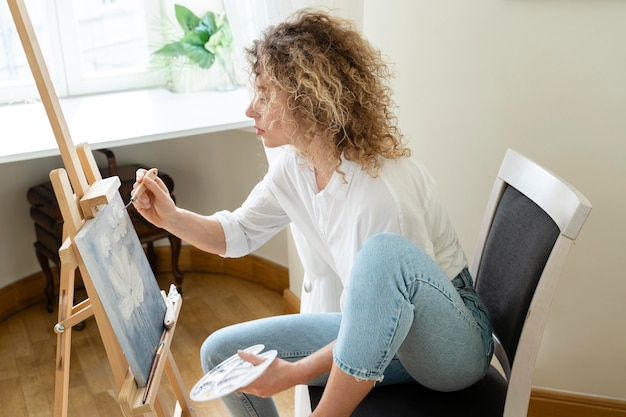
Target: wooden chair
532, 219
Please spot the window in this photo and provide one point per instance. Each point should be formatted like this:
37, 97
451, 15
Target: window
90, 46
95, 46
111, 44
15, 77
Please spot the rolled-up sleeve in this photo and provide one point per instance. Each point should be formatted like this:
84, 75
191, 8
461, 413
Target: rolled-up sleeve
258, 219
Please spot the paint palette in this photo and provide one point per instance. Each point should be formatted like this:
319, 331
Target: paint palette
232, 374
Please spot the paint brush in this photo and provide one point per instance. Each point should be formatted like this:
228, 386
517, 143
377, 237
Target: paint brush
155, 363
152, 173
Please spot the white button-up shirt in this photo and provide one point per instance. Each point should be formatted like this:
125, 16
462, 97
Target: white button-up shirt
329, 226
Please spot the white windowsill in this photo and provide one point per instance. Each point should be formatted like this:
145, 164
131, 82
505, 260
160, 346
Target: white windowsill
117, 119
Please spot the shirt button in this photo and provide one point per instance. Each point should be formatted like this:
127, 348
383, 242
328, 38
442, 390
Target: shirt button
308, 286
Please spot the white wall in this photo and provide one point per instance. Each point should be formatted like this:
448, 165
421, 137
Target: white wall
211, 172
547, 78
17, 254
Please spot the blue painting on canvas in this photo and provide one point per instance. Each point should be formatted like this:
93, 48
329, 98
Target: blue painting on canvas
125, 283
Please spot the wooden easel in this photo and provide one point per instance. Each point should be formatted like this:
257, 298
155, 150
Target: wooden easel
80, 191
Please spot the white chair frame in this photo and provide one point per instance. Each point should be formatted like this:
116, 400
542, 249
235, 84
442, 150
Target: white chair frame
569, 209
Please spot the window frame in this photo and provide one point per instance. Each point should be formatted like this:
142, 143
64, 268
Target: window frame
62, 56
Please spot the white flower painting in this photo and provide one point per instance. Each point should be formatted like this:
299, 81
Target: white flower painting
129, 286
124, 274
117, 265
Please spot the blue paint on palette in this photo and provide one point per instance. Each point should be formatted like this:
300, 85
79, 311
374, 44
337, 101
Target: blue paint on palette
125, 283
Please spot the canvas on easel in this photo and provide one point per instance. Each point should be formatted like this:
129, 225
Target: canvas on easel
99, 240
123, 278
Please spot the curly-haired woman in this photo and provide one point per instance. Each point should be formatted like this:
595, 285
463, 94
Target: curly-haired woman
371, 223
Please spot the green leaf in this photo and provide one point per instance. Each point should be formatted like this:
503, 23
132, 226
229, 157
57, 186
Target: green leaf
199, 55
186, 19
204, 39
208, 21
227, 33
196, 37
222, 39
214, 42
171, 49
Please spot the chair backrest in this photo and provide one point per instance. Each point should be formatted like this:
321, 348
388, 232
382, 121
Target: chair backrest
519, 243
531, 220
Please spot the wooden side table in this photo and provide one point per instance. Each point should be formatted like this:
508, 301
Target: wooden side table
49, 223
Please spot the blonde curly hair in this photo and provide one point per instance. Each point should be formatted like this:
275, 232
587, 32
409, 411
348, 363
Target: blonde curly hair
336, 89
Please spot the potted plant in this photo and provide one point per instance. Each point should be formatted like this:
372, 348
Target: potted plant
204, 41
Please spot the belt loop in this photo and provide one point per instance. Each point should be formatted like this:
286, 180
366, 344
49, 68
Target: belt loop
468, 278
465, 278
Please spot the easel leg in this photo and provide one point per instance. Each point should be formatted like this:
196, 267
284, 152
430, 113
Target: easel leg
158, 406
64, 341
176, 380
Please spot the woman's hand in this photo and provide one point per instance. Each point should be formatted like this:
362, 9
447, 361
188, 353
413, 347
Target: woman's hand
279, 376
155, 204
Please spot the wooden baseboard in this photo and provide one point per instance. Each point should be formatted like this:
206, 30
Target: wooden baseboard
22, 294
29, 291
250, 267
550, 403
292, 302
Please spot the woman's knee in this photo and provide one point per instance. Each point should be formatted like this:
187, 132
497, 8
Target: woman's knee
389, 244
387, 250
382, 241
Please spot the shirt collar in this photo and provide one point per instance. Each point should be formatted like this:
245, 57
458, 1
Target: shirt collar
338, 187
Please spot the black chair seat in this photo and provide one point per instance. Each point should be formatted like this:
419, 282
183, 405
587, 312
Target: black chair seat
483, 399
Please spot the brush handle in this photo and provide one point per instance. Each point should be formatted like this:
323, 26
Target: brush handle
152, 173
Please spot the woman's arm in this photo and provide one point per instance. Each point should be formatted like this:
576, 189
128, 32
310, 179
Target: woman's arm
341, 396
156, 206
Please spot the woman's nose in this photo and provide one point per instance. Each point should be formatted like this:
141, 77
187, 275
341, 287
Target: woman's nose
250, 112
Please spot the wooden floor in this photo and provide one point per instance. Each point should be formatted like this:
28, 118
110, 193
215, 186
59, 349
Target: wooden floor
28, 347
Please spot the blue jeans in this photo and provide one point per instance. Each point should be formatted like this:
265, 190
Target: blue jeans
403, 320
